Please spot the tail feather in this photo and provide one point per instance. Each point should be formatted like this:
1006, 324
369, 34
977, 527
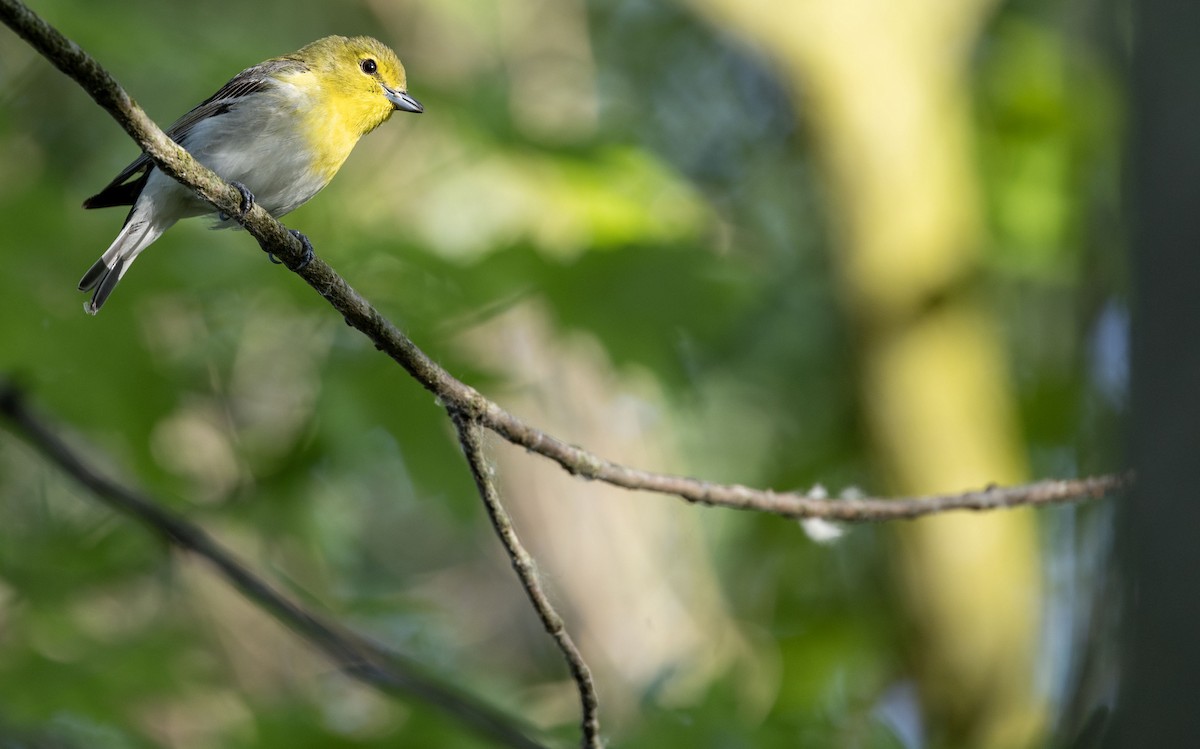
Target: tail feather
107, 282
93, 276
135, 236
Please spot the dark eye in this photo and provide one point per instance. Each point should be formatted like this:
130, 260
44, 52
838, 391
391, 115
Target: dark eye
368, 66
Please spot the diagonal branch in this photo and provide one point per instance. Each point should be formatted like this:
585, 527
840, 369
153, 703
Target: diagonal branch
356, 656
274, 238
470, 436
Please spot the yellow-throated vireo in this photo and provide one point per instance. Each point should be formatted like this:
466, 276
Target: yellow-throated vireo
278, 131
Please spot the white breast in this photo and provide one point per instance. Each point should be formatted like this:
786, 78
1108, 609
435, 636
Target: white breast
259, 147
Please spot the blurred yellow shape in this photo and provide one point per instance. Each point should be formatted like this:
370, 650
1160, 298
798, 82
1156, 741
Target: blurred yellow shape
883, 86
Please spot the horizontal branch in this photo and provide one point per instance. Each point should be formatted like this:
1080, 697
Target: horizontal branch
357, 657
798, 505
274, 238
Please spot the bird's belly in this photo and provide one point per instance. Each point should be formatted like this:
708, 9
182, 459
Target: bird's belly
281, 178
264, 154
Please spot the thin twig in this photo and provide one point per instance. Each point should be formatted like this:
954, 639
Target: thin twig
470, 436
274, 238
356, 656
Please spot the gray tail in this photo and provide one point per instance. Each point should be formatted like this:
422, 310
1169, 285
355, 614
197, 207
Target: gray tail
104, 274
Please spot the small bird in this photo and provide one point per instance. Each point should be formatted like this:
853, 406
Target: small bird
277, 131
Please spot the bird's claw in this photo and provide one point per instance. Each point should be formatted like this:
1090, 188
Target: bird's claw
305, 259
247, 202
308, 250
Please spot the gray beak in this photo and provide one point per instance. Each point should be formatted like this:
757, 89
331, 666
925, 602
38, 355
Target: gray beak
402, 101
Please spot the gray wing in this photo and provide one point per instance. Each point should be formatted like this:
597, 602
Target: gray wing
127, 186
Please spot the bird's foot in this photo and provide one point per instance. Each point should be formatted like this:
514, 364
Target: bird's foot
247, 202
308, 249
305, 259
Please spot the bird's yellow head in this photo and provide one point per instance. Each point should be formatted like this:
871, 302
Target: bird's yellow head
361, 82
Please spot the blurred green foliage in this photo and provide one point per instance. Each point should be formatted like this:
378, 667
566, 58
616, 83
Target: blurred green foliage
665, 205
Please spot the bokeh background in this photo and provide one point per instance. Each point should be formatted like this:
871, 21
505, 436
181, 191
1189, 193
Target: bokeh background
867, 246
